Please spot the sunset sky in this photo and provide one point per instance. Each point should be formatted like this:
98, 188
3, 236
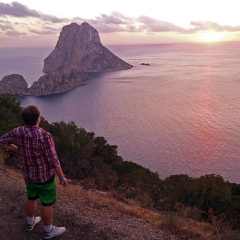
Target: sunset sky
39, 22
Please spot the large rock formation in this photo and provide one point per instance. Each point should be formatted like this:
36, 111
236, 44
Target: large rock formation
79, 48
77, 54
13, 84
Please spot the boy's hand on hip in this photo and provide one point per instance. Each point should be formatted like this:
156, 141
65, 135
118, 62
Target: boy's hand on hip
63, 181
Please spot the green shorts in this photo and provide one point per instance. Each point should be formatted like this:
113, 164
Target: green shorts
46, 192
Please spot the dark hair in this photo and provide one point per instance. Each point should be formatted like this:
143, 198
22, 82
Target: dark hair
30, 115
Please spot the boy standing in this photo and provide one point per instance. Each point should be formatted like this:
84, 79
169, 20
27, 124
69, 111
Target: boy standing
39, 163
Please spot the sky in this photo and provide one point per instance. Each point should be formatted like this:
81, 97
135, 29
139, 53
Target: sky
37, 23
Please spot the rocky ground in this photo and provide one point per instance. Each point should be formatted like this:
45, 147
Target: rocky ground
87, 215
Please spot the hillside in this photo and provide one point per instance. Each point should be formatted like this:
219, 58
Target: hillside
87, 215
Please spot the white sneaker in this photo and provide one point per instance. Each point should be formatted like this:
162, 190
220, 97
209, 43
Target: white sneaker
29, 227
56, 231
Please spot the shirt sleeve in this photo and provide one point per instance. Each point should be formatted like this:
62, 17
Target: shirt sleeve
50, 151
6, 139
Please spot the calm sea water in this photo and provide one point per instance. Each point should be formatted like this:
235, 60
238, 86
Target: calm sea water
180, 115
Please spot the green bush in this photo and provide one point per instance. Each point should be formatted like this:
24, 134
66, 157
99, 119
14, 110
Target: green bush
10, 113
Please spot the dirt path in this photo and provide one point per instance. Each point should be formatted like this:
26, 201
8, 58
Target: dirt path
86, 215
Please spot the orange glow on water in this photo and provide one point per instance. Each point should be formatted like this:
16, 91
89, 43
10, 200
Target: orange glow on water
205, 114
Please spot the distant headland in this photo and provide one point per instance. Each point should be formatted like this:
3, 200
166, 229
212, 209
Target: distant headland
77, 54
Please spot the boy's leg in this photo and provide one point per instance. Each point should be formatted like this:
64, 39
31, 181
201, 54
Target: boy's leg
30, 207
48, 198
47, 215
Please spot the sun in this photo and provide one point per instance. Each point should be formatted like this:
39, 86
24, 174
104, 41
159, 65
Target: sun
211, 36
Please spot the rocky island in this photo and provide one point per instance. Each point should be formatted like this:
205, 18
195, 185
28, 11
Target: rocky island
78, 54
13, 84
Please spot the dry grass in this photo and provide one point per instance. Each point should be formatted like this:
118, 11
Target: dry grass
183, 223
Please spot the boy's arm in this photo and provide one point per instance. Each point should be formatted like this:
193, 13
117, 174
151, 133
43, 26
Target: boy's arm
11, 147
59, 172
51, 155
7, 140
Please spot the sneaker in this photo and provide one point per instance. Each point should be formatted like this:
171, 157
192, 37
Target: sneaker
29, 227
56, 231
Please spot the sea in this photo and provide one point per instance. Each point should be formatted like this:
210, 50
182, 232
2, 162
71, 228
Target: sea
179, 115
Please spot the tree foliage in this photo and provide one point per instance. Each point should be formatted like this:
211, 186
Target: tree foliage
10, 113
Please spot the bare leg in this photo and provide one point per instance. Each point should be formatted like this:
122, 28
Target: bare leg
30, 207
47, 215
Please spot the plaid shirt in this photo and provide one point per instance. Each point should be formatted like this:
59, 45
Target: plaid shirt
38, 157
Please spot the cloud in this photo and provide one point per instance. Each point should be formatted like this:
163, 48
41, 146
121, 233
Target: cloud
14, 33
121, 16
45, 31
153, 25
115, 22
17, 19
106, 28
203, 26
110, 19
16, 9
19, 10
4, 21
6, 26
104, 23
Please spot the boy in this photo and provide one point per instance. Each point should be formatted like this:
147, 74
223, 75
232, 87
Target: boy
39, 163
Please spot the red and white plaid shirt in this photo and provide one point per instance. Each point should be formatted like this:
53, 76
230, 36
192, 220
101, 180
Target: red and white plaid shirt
37, 152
